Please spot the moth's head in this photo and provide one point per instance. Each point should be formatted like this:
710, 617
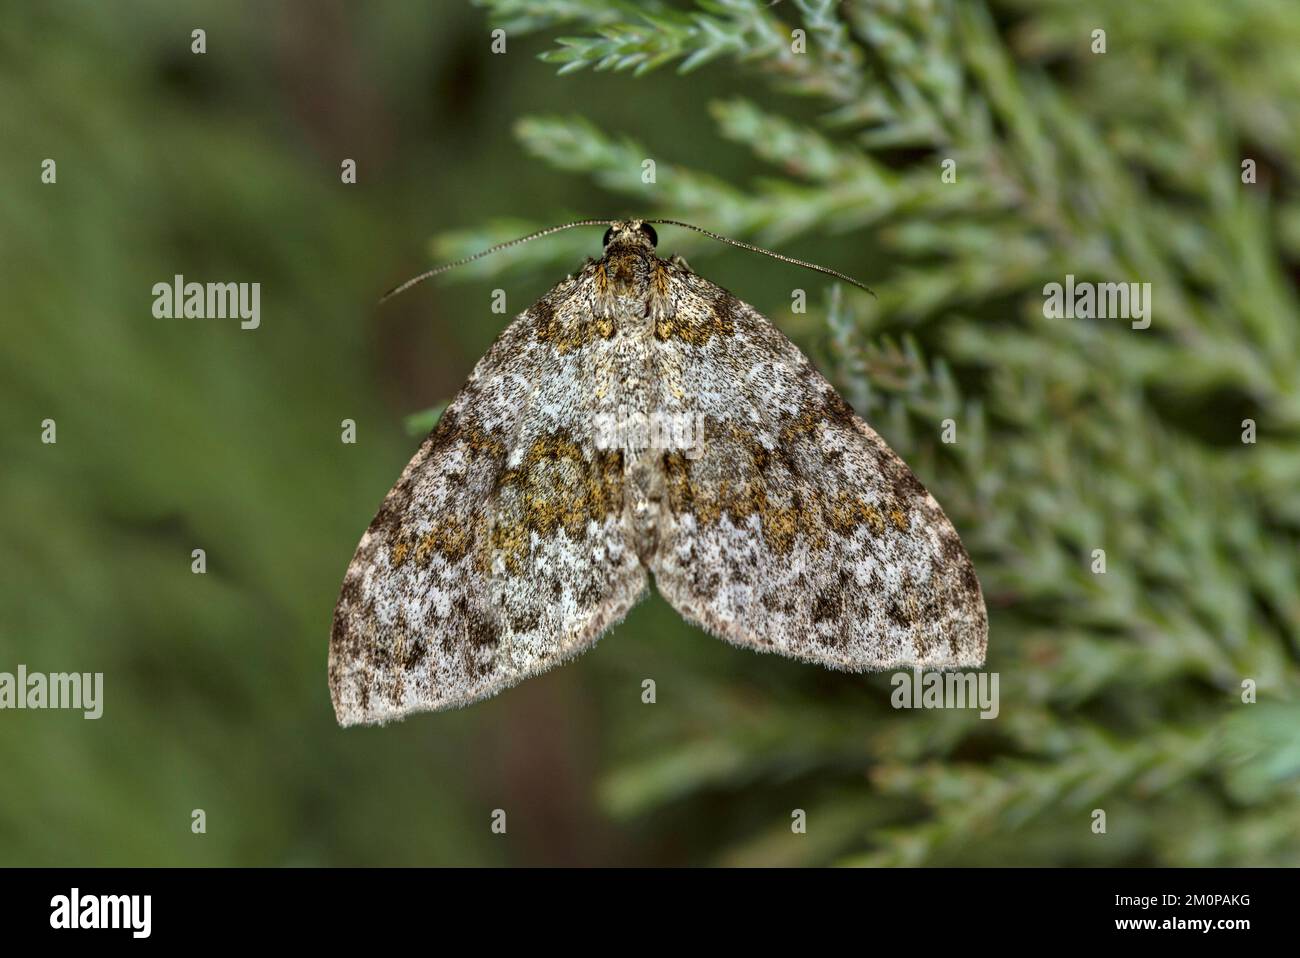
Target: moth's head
631, 232
627, 242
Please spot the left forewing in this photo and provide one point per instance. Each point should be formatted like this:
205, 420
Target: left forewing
501, 550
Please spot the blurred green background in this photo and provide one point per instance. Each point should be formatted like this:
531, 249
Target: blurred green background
1120, 692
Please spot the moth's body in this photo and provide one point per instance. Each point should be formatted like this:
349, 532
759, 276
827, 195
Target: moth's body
516, 536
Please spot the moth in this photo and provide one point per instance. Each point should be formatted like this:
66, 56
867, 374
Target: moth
524, 527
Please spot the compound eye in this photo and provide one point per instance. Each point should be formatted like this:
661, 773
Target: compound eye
608, 233
650, 233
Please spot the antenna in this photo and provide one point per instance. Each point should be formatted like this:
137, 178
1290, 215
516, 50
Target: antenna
429, 274
766, 252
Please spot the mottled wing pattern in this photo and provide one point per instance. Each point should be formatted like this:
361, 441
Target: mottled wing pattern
796, 529
501, 550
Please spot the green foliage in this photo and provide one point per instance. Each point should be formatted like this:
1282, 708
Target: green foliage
1120, 691
183, 434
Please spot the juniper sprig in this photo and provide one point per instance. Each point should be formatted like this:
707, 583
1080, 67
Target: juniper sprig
1121, 691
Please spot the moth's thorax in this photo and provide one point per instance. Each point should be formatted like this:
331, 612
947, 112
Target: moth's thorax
628, 267
630, 284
